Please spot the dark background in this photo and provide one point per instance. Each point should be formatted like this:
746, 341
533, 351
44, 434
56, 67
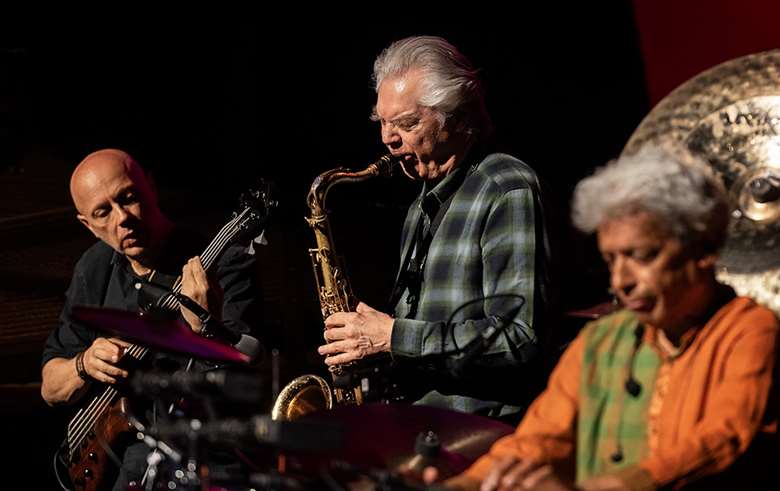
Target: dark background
211, 104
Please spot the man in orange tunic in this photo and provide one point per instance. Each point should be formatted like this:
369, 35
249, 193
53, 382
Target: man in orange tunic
676, 385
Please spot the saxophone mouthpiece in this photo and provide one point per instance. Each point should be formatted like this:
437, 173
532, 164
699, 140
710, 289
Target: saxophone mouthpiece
385, 165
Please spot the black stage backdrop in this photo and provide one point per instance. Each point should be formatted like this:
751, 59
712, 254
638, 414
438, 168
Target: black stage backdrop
211, 105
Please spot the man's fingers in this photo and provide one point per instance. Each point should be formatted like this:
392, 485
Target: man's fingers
430, 474
109, 353
339, 319
197, 266
339, 352
534, 477
490, 483
186, 275
505, 463
104, 372
337, 334
495, 474
106, 379
193, 278
363, 308
336, 347
119, 342
342, 358
195, 272
111, 370
515, 476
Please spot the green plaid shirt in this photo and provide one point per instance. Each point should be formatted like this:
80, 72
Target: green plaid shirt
485, 244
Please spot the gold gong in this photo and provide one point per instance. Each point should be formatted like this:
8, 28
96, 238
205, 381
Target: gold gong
729, 116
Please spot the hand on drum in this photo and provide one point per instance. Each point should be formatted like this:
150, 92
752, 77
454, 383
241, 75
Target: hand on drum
354, 335
511, 473
507, 474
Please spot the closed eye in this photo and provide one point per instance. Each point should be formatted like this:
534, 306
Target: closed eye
404, 123
407, 124
645, 255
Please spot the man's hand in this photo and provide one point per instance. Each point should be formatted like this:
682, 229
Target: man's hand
101, 358
353, 335
510, 473
195, 284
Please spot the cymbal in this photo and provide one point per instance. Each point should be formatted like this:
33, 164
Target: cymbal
162, 333
729, 116
383, 436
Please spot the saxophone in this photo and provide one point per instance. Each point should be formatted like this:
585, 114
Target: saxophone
309, 393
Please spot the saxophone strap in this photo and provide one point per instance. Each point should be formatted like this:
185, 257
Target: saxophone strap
410, 273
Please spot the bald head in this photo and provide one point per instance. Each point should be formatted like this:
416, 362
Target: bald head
117, 203
99, 167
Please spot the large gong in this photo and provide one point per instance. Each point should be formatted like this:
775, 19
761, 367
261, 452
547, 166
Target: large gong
729, 116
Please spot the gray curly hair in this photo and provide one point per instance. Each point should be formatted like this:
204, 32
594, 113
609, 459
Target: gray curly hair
663, 180
450, 83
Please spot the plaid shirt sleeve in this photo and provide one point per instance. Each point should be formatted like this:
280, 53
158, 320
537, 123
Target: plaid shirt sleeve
507, 248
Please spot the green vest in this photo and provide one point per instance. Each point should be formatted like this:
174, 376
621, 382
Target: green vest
609, 416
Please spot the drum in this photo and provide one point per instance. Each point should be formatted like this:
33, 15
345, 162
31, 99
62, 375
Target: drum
399, 439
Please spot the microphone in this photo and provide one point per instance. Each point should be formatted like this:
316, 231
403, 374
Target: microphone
237, 387
617, 456
633, 387
246, 344
474, 348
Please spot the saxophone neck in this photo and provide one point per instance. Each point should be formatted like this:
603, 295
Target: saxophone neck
382, 167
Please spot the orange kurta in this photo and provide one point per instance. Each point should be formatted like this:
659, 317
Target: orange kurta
714, 401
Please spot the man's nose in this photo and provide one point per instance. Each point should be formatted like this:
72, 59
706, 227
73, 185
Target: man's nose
390, 137
621, 277
121, 214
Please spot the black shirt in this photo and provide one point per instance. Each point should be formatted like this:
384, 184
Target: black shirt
104, 278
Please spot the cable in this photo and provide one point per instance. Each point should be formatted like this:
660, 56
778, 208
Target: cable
449, 326
54, 465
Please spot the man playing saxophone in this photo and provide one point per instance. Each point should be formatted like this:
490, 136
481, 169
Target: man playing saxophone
475, 231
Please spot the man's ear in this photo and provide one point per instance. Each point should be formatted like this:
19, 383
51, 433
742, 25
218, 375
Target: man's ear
81, 218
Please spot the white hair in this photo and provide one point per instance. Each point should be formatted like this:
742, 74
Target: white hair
665, 181
450, 84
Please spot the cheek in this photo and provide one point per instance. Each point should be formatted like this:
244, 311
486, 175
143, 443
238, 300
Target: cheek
422, 141
425, 145
103, 234
654, 283
411, 141
671, 285
135, 214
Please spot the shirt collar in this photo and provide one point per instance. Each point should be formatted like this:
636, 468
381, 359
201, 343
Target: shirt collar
432, 199
723, 295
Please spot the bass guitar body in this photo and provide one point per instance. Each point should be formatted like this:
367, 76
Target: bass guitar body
91, 466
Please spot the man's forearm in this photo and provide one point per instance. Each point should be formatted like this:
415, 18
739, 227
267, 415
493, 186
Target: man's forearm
61, 383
